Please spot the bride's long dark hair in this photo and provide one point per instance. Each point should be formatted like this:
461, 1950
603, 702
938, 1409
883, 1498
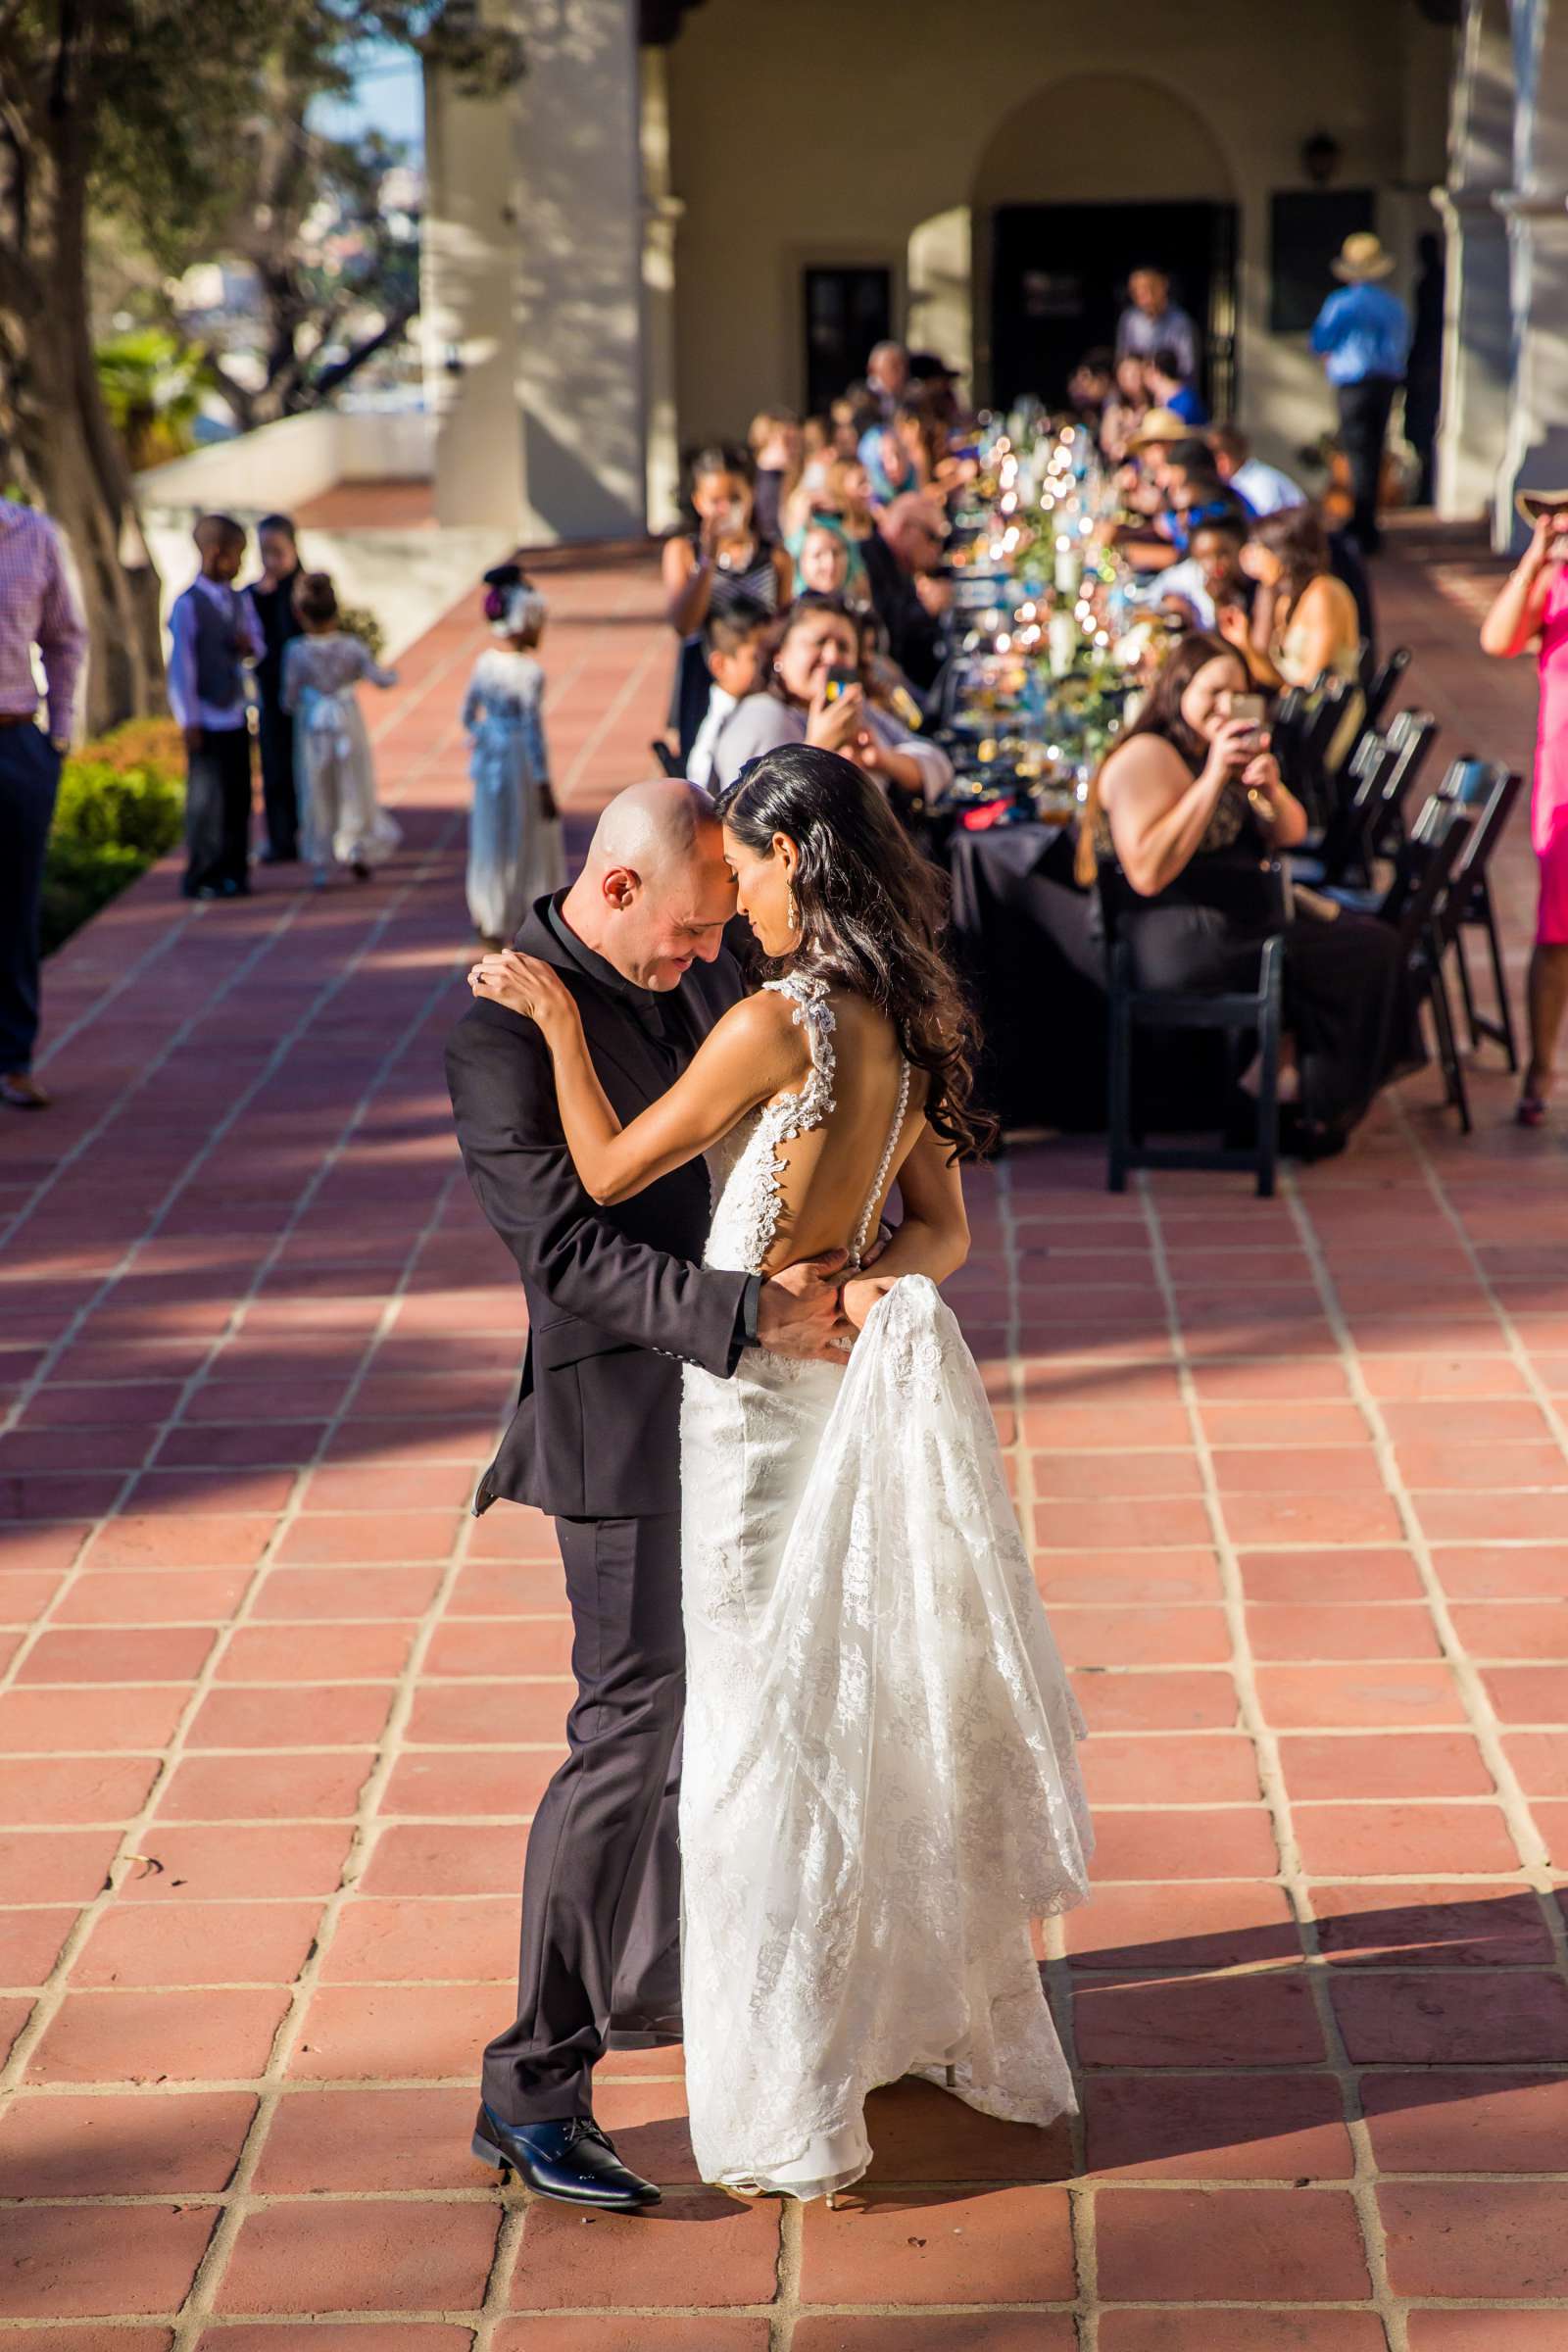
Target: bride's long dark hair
873, 914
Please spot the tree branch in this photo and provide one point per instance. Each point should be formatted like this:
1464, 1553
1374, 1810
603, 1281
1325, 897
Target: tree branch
329, 380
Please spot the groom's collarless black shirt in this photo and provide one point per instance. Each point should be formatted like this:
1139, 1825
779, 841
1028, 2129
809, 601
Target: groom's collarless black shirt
666, 1015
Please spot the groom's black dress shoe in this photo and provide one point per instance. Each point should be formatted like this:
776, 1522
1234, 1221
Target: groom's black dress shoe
572, 2160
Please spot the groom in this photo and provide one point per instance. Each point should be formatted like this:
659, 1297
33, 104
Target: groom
618, 1299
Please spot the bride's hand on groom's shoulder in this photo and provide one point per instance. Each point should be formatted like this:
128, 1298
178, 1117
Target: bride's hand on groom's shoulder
525, 985
798, 1312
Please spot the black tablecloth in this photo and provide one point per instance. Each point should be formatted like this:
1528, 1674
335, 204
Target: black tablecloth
1024, 938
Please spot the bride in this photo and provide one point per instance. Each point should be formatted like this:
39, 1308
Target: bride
880, 1788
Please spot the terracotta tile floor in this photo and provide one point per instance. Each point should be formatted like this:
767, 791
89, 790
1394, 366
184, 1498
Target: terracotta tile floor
274, 1710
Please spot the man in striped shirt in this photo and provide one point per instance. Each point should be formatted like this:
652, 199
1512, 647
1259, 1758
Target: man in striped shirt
38, 608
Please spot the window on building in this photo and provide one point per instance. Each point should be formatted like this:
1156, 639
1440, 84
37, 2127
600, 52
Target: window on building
1307, 228
846, 311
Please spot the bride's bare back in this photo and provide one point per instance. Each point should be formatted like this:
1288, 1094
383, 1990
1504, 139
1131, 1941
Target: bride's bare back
827, 1174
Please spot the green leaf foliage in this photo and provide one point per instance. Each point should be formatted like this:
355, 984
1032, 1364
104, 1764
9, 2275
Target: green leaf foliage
111, 823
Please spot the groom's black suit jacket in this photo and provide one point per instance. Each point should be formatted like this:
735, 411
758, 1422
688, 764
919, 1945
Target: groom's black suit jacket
616, 1296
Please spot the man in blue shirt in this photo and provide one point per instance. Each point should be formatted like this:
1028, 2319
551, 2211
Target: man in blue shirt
1363, 335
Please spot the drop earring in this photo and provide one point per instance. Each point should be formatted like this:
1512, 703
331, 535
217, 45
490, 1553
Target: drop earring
794, 911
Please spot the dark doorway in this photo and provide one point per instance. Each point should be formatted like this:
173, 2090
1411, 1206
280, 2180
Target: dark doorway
847, 311
1058, 284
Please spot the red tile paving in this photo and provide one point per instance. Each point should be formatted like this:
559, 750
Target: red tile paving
273, 1710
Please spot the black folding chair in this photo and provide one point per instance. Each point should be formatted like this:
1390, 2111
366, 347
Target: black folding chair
1388, 764
1423, 877
1242, 1015
1380, 680
1304, 754
1489, 790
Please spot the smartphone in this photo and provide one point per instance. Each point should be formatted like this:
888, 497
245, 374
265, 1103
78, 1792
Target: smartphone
1252, 707
838, 682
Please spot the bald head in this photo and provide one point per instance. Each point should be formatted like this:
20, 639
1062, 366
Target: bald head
887, 371
650, 827
654, 894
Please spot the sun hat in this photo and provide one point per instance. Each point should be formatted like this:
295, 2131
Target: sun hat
1160, 424
1532, 505
1361, 257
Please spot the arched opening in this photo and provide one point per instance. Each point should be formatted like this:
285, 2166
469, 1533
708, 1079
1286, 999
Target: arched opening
1080, 183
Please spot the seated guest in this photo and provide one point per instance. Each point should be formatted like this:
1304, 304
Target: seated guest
1126, 406
894, 455
778, 451
1194, 491
827, 559
848, 418
816, 695
887, 378
1091, 386
1153, 321
936, 386
1186, 488
902, 556
1304, 622
705, 569
1210, 576
1152, 446
1265, 488
1190, 807
736, 644
1170, 388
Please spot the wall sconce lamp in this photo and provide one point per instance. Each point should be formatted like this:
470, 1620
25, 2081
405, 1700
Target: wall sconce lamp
1321, 157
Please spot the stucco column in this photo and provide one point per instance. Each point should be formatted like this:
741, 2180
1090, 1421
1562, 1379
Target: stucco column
579, 305
940, 304
1478, 327
1535, 453
468, 304
662, 212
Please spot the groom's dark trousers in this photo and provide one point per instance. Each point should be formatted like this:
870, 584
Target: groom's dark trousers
616, 1302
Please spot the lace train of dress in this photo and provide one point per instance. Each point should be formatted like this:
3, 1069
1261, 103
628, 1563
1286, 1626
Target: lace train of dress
880, 1788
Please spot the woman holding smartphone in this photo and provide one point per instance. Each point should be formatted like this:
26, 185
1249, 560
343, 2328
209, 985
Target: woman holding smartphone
1190, 809
723, 563
1531, 609
816, 695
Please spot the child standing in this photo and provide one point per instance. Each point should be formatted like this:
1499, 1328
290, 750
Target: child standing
213, 632
516, 851
272, 602
338, 813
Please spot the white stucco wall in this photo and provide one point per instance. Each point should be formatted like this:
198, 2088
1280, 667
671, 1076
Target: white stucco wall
821, 133
285, 464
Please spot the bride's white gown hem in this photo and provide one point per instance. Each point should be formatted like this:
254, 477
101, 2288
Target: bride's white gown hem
880, 1787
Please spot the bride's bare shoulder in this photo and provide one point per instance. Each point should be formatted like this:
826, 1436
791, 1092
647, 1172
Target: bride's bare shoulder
763, 1023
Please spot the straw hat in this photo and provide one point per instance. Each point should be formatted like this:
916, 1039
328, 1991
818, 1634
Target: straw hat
1361, 257
1160, 424
1532, 505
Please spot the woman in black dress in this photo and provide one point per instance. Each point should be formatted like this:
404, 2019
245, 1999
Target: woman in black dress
1188, 811
712, 569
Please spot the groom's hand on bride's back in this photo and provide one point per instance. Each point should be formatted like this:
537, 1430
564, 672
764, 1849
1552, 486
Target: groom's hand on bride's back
799, 1310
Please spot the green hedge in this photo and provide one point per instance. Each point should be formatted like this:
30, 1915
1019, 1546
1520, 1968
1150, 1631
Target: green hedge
112, 821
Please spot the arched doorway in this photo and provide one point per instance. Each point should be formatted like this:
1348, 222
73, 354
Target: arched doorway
1079, 184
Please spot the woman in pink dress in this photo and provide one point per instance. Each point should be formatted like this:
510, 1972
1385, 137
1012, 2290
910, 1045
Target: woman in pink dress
1532, 607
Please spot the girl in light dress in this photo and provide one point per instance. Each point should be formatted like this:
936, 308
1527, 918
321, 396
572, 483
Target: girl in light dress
339, 816
516, 851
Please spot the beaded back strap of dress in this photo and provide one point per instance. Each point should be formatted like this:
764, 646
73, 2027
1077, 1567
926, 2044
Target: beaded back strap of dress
879, 1185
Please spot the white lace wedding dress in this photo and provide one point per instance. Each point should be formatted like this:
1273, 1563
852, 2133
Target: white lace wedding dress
880, 1787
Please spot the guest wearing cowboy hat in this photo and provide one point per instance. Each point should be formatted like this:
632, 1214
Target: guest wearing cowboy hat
1362, 333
